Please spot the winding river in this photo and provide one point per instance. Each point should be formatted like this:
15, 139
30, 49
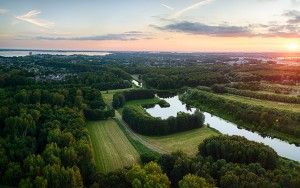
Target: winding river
284, 149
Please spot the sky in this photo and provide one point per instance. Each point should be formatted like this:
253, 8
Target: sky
156, 25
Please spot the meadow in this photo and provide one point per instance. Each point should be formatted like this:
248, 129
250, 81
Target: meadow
112, 150
186, 142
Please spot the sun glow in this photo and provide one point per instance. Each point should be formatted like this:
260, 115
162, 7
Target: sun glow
293, 46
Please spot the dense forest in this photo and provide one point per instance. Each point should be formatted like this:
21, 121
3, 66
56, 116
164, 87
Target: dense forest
46, 102
44, 142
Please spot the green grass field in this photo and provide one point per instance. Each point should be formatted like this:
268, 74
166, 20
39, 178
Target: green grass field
112, 150
265, 103
185, 141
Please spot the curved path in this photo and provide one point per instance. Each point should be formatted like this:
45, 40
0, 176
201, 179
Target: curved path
136, 137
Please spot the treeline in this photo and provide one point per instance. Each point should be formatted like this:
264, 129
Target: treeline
239, 150
143, 123
179, 170
95, 108
192, 76
88, 99
264, 96
103, 78
46, 69
259, 117
119, 99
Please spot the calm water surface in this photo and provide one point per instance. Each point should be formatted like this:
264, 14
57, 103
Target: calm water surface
136, 83
284, 149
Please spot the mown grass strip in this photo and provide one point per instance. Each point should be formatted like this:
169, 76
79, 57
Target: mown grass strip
112, 149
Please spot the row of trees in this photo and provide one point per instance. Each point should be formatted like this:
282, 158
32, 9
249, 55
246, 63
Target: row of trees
264, 96
119, 99
143, 123
239, 150
149, 175
259, 117
177, 77
90, 100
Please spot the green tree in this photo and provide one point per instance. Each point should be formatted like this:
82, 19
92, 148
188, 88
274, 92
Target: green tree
149, 176
193, 181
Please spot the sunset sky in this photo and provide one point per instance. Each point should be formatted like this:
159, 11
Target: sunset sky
156, 25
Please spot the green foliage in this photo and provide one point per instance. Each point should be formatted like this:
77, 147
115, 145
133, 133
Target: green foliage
149, 176
259, 116
192, 181
143, 123
119, 99
163, 104
239, 150
217, 88
265, 96
221, 173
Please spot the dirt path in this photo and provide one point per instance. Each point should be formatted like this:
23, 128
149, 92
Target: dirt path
138, 138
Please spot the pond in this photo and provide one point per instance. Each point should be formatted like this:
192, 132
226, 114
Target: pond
284, 149
136, 83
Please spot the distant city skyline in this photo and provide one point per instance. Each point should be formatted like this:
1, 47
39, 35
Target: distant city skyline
158, 25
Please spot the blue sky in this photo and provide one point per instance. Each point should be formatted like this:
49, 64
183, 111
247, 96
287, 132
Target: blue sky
140, 24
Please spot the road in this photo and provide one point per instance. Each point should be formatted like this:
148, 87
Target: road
138, 138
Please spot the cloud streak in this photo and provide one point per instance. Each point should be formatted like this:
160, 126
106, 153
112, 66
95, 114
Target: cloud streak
196, 5
166, 6
203, 29
127, 36
31, 17
196, 28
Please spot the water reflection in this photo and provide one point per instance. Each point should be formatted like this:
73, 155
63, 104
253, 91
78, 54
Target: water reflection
283, 148
136, 83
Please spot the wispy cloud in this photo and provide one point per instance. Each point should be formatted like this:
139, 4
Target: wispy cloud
126, 36
167, 6
254, 30
191, 7
31, 17
294, 16
203, 29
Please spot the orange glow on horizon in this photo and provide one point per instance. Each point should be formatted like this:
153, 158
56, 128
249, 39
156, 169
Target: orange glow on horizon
169, 42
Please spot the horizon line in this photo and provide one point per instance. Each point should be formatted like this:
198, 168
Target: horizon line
156, 51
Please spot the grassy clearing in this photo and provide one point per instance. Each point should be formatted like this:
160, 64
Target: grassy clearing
108, 95
185, 141
265, 103
112, 149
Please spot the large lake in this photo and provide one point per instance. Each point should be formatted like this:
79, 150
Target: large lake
12, 53
284, 149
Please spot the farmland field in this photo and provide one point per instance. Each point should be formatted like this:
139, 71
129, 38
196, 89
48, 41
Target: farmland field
185, 141
112, 150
